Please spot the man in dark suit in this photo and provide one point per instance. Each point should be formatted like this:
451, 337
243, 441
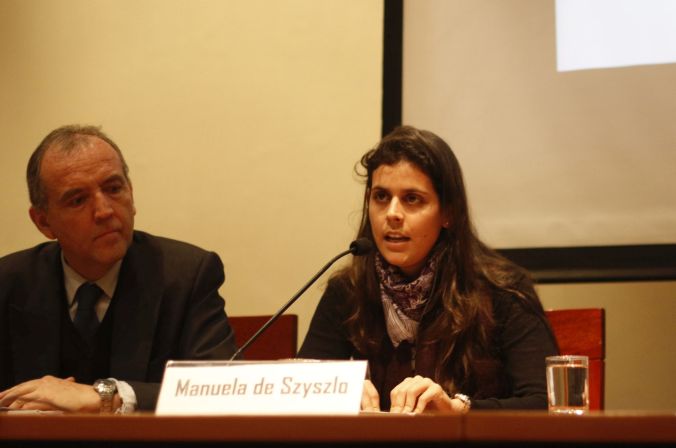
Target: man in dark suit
88, 322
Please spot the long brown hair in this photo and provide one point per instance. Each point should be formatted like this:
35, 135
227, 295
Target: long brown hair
469, 273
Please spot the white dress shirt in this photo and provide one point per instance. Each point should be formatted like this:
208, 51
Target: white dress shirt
107, 283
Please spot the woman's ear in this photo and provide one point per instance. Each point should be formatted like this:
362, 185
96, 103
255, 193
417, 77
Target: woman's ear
447, 220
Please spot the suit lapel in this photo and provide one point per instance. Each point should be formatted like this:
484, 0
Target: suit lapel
136, 305
35, 317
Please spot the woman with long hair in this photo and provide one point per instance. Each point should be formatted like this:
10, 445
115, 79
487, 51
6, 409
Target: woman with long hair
445, 322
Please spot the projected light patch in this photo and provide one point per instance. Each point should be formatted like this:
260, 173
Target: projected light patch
614, 33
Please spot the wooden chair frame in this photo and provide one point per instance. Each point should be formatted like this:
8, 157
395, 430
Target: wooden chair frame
582, 332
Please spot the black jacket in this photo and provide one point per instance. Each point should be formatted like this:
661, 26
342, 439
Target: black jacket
167, 306
522, 339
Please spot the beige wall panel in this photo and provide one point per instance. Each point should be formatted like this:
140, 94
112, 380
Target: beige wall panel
241, 122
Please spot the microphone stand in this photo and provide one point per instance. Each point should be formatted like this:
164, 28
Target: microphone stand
289, 303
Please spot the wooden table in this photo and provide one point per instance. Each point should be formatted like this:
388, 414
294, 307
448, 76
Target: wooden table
475, 428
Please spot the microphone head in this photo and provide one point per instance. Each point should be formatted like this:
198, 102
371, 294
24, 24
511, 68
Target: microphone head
361, 246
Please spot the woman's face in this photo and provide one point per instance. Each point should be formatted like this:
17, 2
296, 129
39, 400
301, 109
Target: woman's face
405, 215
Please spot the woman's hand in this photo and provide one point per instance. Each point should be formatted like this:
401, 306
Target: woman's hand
370, 400
418, 394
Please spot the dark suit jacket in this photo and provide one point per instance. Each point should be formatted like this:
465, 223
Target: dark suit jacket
167, 306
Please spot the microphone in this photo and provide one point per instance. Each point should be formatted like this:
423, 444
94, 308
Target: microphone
358, 247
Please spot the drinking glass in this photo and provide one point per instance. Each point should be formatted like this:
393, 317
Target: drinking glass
568, 384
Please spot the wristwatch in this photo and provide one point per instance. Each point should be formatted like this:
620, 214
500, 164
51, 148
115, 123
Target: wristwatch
106, 390
465, 401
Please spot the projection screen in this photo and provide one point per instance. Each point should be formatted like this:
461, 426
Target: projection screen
551, 158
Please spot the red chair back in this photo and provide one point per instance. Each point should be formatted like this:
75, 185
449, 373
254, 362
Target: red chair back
279, 341
582, 332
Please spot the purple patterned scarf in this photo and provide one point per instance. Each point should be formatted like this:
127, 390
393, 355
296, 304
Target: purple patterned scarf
404, 301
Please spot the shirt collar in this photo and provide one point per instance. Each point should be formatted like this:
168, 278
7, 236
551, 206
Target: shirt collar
73, 280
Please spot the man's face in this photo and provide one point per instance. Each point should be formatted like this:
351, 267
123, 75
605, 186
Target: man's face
90, 206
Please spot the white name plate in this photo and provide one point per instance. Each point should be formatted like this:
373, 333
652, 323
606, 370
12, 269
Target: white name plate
275, 387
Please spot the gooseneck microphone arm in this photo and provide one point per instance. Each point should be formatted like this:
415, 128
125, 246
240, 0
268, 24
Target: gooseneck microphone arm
361, 246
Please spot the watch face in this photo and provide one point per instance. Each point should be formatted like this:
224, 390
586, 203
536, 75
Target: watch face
105, 387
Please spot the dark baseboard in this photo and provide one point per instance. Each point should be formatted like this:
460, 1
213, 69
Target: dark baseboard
653, 262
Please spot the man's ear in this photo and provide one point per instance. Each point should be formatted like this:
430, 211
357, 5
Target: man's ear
131, 192
39, 218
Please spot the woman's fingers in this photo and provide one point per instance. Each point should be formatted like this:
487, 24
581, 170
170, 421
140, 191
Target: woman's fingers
370, 400
415, 394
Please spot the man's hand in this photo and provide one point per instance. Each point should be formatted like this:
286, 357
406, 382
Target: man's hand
418, 394
51, 393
